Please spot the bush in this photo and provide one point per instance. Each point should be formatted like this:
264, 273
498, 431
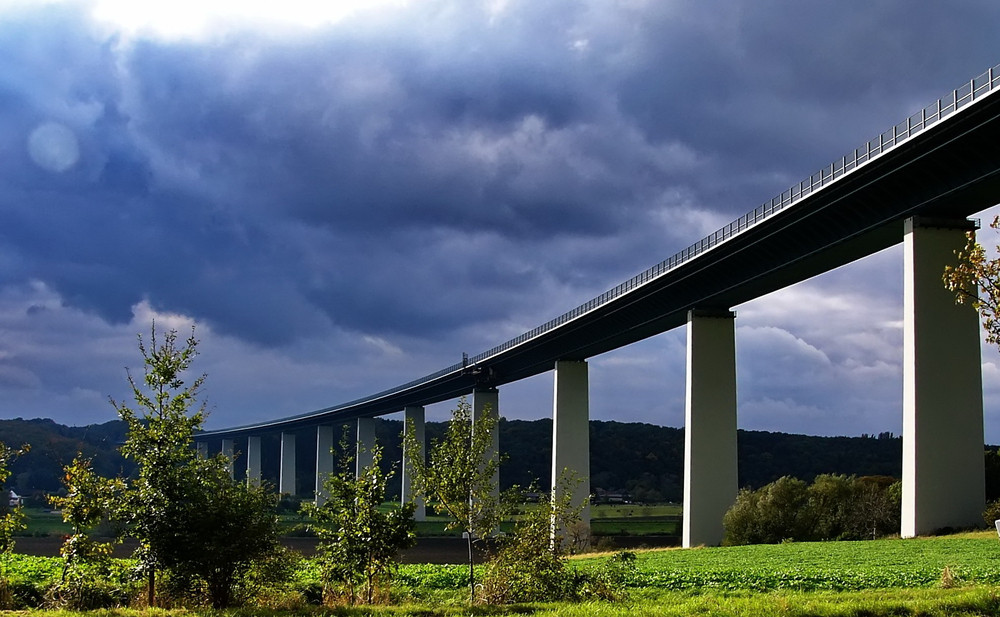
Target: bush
834, 507
611, 579
769, 515
992, 512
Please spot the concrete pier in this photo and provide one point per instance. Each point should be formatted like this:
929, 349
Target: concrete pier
414, 416
710, 463
366, 441
943, 469
286, 475
324, 461
571, 432
228, 451
253, 461
487, 401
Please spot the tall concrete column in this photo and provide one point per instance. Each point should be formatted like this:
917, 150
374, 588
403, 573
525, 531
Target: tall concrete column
228, 449
253, 461
487, 401
710, 468
413, 416
286, 474
571, 431
366, 441
943, 470
324, 461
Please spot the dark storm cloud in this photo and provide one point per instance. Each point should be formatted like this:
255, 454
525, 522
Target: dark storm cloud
410, 184
788, 87
375, 149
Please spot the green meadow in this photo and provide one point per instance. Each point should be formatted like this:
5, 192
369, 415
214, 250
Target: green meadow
948, 575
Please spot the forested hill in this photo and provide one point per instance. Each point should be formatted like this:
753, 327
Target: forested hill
54, 445
643, 460
647, 461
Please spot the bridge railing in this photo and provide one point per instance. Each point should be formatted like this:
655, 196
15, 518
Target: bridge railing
971, 91
918, 122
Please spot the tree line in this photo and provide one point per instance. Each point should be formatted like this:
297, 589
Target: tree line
644, 461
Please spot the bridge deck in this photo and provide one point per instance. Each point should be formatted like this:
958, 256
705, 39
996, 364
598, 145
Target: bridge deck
943, 162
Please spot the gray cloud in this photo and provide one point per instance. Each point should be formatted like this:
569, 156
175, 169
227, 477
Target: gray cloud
354, 206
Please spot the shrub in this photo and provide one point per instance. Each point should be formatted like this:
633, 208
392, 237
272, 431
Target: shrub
531, 563
768, 515
992, 512
359, 543
610, 581
834, 507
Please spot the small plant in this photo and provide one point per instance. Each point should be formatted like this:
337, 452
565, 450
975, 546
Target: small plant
530, 564
358, 542
992, 513
86, 562
949, 579
610, 581
11, 521
457, 477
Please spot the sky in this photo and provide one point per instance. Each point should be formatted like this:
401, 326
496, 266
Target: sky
345, 196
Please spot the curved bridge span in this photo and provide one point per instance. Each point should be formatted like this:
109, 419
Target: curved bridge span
915, 183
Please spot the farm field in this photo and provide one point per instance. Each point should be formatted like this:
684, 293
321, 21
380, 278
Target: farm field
972, 558
957, 574
43, 523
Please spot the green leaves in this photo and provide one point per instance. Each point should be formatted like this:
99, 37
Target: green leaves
976, 280
11, 519
834, 507
359, 542
458, 476
189, 516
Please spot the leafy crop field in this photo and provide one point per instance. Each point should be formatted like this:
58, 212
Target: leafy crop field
836, 566
874, 578
809, 566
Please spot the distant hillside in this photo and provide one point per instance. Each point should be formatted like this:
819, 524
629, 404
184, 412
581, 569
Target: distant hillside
54, 445
643, 460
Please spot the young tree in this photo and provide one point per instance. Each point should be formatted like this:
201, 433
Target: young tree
231, 525
88, 501
160, 439
530, 565
11, 518
976, 279
359, 543
457, 478
188, 515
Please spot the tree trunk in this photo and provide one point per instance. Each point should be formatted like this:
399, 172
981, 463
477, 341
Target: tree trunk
151, 589
472, 573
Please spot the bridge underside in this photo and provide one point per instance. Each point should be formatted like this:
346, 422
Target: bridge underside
921, 189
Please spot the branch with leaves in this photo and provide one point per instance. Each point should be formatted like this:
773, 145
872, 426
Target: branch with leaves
11, 520
976, 280
359, 542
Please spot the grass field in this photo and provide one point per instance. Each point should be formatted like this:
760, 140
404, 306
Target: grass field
929, 577
972, 558
44, 523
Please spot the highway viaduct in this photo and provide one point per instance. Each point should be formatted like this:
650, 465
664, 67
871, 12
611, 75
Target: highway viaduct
916, 183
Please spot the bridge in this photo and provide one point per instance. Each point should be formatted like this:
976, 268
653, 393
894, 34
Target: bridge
916, 183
